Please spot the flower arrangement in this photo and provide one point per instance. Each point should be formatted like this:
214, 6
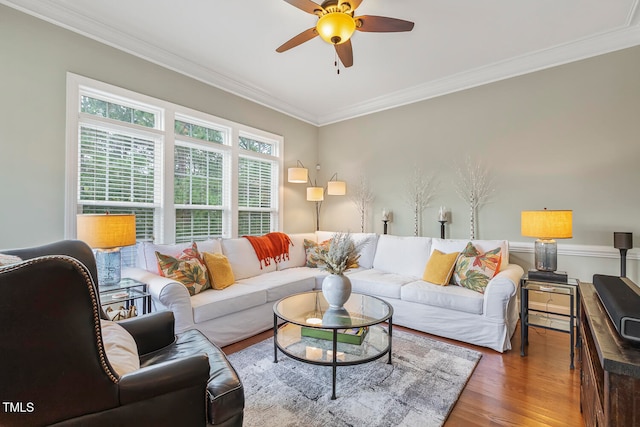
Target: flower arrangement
343, 254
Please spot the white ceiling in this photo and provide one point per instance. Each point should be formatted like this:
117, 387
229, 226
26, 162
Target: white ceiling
455, 44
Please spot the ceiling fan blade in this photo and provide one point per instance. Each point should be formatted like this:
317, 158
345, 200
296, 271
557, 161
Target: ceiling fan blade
345, 53
353, 3
382, 24
304, 36
306, 5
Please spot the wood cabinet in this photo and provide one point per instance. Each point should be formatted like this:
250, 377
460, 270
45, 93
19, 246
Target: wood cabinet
609, 368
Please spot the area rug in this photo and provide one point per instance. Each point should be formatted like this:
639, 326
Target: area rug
419, 388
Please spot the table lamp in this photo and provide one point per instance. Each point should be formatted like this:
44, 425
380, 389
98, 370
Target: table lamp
546, 226
107, 233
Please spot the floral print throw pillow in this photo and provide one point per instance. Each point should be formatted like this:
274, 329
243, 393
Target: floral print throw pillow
474, 270
188, 269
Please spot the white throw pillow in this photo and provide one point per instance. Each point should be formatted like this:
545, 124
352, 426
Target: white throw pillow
6, 259
243, 259
121, 348
405, 255
147, 259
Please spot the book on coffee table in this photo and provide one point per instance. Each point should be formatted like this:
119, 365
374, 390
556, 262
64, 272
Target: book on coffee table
348, 336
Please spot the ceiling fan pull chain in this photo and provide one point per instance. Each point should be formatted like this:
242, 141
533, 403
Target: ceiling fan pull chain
336, 63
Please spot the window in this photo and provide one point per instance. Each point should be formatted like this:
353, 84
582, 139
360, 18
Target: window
185, 174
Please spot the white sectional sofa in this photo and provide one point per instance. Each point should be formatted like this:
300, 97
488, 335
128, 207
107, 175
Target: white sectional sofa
390, 267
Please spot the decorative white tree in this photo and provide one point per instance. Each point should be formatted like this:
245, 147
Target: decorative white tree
475, 187
361, 196
419, 192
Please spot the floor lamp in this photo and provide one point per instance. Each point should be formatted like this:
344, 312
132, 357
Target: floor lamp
624, 242
315, 193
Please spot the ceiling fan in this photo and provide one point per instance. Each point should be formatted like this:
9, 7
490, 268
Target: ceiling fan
336, 24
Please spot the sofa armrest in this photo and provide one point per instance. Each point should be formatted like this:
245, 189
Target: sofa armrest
163, 378
500, 290
166, 294
151, 331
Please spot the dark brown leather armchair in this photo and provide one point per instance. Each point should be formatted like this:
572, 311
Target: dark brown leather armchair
53, 368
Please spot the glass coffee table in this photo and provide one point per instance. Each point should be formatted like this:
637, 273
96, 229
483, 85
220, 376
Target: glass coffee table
311, 332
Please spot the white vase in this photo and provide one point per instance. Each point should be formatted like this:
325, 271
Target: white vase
336, 289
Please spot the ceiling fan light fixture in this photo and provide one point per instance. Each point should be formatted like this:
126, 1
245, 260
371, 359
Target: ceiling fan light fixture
336, 27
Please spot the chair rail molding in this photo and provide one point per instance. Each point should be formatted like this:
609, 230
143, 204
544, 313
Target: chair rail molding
592, 251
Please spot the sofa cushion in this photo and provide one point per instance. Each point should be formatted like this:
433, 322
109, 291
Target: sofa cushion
458, 245
120, 347
243, 259
440, 267
297, 254
219, 269
405, 255
280, 284
378, 283
449, 297
212, 303
146, 252
474, 269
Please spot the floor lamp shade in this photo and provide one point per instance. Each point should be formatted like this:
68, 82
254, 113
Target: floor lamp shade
315, 194
298, 175
336, 188
546, 226
107, 233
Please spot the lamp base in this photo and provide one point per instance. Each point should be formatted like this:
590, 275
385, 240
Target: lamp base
548, 276
546, 255
109, 266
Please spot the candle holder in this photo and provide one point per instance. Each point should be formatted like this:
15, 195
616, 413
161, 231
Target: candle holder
386, 217
442, 219
442, 223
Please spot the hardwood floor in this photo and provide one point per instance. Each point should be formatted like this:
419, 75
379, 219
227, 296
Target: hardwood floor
507, 389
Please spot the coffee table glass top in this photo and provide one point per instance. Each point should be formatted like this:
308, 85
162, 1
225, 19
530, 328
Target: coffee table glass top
311, 309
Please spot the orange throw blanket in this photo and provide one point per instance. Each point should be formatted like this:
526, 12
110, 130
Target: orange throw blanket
270, 246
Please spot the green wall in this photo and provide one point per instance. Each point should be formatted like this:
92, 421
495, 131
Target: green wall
34, 59
562, 138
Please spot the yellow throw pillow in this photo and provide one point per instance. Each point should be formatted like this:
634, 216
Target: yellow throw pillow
440, 267
220, 272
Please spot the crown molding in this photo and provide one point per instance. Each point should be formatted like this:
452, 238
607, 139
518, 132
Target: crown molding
618, 39
606, 42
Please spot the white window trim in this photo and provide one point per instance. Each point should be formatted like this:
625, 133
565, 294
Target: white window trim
167, 113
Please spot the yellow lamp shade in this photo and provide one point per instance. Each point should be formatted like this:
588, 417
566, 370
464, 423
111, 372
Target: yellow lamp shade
336, 188
107, 231
547, 224
315, 194
298, 175
336, 27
